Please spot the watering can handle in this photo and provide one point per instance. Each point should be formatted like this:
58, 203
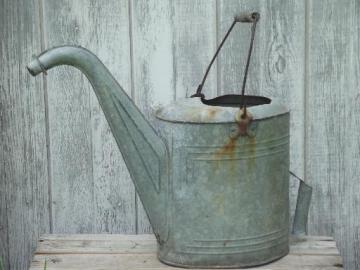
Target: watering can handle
247, 17
243, 18
302, 207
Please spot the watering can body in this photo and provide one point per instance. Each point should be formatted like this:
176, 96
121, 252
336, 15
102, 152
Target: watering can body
214, 199
228, 195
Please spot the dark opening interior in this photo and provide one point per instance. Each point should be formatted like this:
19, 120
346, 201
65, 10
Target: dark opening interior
236, 101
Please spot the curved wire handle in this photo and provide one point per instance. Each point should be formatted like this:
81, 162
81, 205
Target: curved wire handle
245, 18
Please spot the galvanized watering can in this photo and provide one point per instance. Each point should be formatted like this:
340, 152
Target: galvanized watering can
214, 177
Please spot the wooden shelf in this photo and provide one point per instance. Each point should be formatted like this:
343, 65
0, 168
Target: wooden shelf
111, 251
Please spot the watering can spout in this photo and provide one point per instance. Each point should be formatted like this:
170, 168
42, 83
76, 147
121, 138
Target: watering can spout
145, 154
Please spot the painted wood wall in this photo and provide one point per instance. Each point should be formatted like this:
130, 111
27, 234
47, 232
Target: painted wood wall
61, 171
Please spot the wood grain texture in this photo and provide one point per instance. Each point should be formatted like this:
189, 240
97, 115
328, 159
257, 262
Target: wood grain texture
283, 74
69, 123
91, 187
145, 243
24, 209
232, 58
194, 45
277, 65
332, 141
139, 252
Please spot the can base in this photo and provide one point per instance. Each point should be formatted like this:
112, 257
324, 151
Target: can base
227, 261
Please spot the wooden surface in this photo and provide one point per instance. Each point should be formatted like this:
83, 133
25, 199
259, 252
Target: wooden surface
332, 124
24, 210
61, 171
139, 252
90, 186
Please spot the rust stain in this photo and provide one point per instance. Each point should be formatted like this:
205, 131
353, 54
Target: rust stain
199, 114
212, 112
243, 118
252, 145
228, 148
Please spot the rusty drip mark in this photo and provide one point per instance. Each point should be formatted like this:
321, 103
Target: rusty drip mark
243, 120
228, 148
252, 145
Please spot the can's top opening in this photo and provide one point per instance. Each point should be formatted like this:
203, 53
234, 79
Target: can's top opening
193, 110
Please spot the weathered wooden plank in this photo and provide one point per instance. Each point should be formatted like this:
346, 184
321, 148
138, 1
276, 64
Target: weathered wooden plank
194, 45
313, 245
69, 123
91, 187
139, 252
277, 64
150, 261
123, 244
152, 66
283, 75
24, 210
232, 59
113, 245
95, 237
332, 141
4, 227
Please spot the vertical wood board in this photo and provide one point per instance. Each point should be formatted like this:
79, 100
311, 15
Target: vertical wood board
332, 141
92, 191
69, 123
24, 210
194, 45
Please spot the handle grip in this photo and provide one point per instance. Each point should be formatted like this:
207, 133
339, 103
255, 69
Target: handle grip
247, 17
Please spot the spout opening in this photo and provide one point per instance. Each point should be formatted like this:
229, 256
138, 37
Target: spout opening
35, 67
31, 71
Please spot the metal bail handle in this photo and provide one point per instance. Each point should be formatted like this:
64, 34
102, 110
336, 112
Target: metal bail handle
244, 18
